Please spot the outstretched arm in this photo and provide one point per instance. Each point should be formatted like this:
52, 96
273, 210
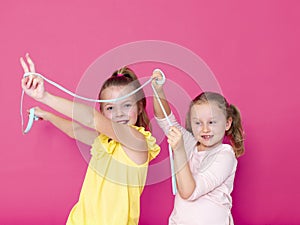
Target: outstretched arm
70, 128
34, 87
159, 89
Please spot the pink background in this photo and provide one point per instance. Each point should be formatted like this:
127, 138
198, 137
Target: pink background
251, 46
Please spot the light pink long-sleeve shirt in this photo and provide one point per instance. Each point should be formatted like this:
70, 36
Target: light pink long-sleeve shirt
213, 171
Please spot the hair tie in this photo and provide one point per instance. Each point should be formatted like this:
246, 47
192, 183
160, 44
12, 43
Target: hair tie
120, 75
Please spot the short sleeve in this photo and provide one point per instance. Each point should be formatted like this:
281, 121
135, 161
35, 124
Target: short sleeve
103, 145
153, 148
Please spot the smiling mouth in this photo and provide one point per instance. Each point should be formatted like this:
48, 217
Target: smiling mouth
122, 121
206, 137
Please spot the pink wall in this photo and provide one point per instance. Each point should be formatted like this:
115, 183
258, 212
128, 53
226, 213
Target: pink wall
251, 46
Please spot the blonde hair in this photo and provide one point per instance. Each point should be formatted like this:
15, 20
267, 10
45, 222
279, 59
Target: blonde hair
236, 132
123, 77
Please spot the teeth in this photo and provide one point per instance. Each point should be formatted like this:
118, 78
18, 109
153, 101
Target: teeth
123, 121
206, 136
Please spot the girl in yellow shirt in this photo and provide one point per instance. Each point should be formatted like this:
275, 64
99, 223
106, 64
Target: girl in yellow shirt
121, 144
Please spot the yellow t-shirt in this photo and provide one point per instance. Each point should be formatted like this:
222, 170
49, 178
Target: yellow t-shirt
113, 184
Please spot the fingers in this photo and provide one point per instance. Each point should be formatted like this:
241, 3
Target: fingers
24, 65
30, 63
23, 82
156, 75
37, 81
38, 112
26, 81
174, 137
174, 131
31, 82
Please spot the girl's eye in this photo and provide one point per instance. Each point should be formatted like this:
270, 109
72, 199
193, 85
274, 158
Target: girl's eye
109, 108
128, 105
212, 122
197, 123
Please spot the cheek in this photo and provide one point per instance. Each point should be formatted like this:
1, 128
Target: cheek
220, 130
107, 114
195, 130
133, 112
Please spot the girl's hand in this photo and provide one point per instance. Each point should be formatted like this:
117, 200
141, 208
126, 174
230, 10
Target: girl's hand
175, 139
157, 76
32, 85
41, 114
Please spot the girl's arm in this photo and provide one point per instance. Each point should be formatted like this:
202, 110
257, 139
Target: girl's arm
220, 169
184, 178
185, 181
72, 129
159, 89
192, 187
84, 114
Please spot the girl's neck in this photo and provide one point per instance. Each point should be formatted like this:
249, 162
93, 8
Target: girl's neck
202, 148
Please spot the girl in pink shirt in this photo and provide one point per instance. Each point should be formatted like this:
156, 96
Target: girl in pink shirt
204, 166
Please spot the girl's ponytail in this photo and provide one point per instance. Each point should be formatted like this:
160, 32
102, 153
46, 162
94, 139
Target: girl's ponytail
236, 132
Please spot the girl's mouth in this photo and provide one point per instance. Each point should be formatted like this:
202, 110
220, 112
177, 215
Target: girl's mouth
206, 137
122, 121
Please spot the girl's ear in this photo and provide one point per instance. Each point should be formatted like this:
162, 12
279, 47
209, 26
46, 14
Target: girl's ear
228, 123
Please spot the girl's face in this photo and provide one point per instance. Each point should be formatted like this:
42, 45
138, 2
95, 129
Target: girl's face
125, 111
208, 124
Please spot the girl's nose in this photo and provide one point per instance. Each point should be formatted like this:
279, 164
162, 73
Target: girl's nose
206, 128
118, 112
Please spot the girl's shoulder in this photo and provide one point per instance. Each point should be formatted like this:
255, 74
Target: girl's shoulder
223, 154
223, 150
226, 148
110, 144
153, 147
103, 144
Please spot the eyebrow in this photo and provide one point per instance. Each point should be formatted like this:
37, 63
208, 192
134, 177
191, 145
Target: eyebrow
115, 103
107, 103
197, 118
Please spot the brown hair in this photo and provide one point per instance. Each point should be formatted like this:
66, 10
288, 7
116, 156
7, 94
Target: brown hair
123, 77
235, 133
